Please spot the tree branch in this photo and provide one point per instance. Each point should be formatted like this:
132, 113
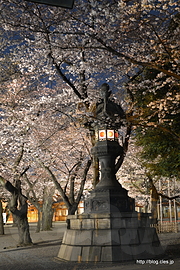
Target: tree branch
125, 148
2, 181
64, 77
132, 60
169, 198
72, 179
58, 186
8, 186
19, 157
83, 181
25, 170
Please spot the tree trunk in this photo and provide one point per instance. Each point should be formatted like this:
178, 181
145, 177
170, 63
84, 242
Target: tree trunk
72, 209
23, 229
19, 207
14, 220
47, 211
47, 217
154, 201
38, 228
1, 219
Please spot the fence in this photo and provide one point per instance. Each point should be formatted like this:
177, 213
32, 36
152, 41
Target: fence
166, 227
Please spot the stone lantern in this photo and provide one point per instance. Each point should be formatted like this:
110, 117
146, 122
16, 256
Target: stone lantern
108, 196
109, 230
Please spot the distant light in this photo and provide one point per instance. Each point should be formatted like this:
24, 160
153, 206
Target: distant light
58, 3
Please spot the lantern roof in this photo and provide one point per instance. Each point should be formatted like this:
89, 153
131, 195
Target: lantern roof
107, 111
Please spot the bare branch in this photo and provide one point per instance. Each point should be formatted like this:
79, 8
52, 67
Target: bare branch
83, 181
58, 186
72, 179
25, 170
19, 157
132, 60
3, 181
169, 198
125, 148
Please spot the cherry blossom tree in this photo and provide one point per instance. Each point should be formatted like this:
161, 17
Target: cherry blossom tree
70, 162
155, 105
40, 191
77, 49
93, 40
18, 202
143, 186
42, 127
156, 118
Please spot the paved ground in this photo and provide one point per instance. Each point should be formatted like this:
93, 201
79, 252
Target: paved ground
42, 255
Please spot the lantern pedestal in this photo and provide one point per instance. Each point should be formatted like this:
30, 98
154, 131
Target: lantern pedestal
115, 237
110, 230
108, 196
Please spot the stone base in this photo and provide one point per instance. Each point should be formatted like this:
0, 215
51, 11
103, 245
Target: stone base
114, 237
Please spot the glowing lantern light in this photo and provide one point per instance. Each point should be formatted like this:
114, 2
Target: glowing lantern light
107, 134
110, 134
102, 134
